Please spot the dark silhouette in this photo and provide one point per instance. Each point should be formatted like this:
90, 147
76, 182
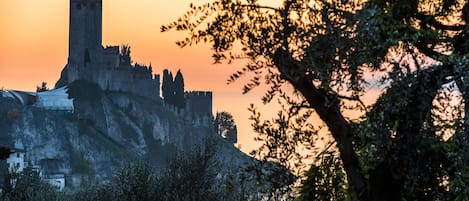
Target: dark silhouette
325, 51
178, 86
225, 126
124, 55
167, 86
42, 88
5, 152
173, 90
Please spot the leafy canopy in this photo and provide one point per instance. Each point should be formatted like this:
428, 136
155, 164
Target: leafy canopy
409, 144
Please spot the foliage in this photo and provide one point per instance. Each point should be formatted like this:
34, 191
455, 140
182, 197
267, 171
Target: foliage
285, 136
4, 152
178, 85
135, 182
124, 55
27, 186
42, 88
85, 91
167, 86
225, 126
173, 90
191, 178
403, 145
325, 181
188, 176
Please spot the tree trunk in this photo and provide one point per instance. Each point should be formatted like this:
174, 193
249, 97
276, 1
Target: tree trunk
327, 106
328, 109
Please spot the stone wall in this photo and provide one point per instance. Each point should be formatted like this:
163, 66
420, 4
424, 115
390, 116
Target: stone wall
111, 56
85, 31
120, 79
199, 102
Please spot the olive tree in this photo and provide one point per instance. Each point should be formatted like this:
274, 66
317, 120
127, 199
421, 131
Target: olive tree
328, 51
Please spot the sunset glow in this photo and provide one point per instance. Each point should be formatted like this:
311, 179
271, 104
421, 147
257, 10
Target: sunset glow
34, 48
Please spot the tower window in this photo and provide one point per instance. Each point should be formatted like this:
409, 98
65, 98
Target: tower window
78, 6
93, 5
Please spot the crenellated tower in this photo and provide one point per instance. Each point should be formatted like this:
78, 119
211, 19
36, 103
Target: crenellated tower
85, 32
89, 60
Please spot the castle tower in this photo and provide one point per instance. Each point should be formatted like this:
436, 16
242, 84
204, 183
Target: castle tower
85, 32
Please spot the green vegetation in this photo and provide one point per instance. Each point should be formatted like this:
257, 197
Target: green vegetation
42, 88
225, 126
411, 144
26, 186
84, 91
173, 89
187, 178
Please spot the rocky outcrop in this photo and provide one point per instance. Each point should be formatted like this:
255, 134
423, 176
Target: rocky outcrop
105, 130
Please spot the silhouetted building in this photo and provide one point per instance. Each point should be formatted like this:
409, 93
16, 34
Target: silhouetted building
111, 68
85, 32
89, 60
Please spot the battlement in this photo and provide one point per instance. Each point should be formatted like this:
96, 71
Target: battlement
190, 94
86, 1
111, 50
199, 102
189, 116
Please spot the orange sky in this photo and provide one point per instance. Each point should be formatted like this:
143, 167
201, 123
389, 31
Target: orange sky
34, 48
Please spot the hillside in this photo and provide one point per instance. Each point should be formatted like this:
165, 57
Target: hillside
101, 131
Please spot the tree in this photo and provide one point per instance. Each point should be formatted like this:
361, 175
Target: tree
4, 152
178, 87
167, 86
124, 55
173, 90
325, 50
42, 88
329, 176
135, 182
191, 177
226, 127
26, 185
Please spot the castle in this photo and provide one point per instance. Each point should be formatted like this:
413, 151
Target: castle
110, 67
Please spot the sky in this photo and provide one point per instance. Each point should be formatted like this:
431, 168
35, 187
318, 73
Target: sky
34, 48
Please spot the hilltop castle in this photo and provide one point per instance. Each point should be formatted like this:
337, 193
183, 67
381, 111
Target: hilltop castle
110, 67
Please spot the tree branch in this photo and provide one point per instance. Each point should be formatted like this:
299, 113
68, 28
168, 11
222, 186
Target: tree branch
354, 98
430, 20
328, 108
260, 7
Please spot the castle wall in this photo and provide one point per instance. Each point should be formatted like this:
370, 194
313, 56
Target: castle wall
88, 60
149, 88
199, 102
119, 79
114, 79
111, 57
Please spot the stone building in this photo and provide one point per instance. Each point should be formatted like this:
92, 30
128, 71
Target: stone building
110, 67
16, 161
89, 60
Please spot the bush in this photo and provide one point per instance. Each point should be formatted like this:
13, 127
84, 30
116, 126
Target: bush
84, 90
190, 177
27, 186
